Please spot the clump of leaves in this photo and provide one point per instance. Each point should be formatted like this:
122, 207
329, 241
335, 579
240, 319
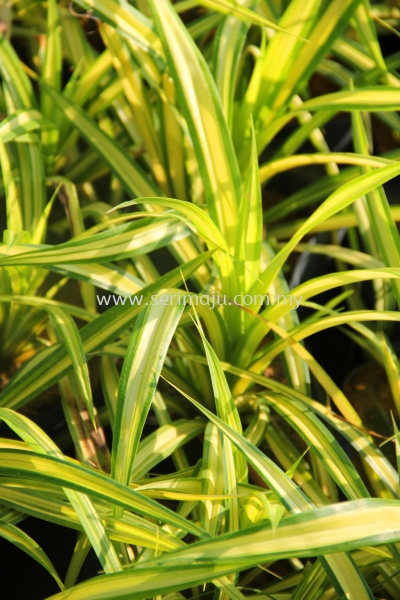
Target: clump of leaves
173, 105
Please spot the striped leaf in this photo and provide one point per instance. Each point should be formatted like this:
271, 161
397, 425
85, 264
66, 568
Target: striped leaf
200, 105
148, 346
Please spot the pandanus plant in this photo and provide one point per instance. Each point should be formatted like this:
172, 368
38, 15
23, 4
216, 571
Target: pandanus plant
173, 105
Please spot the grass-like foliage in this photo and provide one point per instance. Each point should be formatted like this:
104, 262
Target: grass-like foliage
214, 456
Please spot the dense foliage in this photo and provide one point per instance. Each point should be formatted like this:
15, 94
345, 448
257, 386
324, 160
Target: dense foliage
153, 151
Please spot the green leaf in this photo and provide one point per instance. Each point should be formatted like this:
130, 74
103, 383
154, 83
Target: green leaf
70, 474
226, 408
373, 99
14, 77
120, 242
45, 502
135, 94
51, 75
392, 366
250, 225
147, 349
79, 555
194, 215
269, 170
51, 364
200, 105
386, 238
83, 506
317, 436
20, 123
136, 28
68, 334
212, 480
162, 443
339, 200
132, 176
227, 51
230, 7
346, 526
19, 538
